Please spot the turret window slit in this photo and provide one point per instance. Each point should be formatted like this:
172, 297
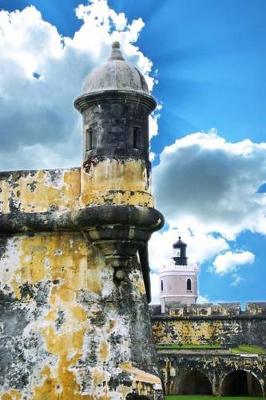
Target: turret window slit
136, 137
89, 139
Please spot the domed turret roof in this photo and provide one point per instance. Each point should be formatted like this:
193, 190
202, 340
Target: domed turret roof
115, 74
179, 243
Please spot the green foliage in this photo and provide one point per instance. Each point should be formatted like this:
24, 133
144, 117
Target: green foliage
198, 397
190, 346
248, 348
243, 348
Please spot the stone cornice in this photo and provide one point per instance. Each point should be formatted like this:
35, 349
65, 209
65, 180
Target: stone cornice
146, 219
82, 102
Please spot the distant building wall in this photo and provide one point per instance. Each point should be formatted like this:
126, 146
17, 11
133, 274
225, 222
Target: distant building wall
213, 366
175, 287
179, 279
217, 324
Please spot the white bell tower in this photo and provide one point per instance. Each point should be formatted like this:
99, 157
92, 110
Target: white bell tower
179, 280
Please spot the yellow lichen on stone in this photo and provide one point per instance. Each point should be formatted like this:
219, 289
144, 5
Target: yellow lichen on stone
65, 262
139, 375
104, 350
112, 325
11, 395
66, 259
116, 182
39, 191
187, 331
4, 197
65, 386
68, 264
98, 376
113, 174
108, 182
120, 198
138, 283
66, 342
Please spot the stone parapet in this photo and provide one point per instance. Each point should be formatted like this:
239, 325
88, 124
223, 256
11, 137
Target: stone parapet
211, 310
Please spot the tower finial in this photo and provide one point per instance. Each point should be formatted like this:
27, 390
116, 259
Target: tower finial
116, 52
115, 45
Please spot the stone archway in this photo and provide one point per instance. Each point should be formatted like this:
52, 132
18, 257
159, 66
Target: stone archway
195, 382
241, 383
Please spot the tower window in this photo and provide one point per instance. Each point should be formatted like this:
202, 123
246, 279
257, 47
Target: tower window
161, 286
89, 144
178, 252
136, 137
189, 285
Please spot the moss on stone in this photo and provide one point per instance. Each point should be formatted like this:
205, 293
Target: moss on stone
192, 346
248, 348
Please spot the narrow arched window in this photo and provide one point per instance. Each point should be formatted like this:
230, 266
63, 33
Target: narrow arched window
89, 139
189, 284
161, 286
136, 137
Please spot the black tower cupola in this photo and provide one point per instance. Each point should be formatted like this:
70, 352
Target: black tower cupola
180, 249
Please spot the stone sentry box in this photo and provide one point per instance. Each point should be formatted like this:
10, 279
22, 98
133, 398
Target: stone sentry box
115, 109
74, 273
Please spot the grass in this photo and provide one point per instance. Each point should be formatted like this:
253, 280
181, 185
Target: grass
243, 348
248, 348
176, 346
198, 397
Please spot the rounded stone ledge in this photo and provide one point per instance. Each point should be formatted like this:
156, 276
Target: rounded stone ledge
83, 101
144, 218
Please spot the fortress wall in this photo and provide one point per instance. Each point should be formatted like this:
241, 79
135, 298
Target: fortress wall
206, 371
68, 329
63, 321
106, 182
215, 367
37, 191
224, 330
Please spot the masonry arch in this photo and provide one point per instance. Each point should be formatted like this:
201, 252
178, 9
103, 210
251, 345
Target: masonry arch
241, 383
195, 382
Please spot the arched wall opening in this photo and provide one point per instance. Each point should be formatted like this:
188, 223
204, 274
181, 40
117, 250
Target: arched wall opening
195, 382
241, 383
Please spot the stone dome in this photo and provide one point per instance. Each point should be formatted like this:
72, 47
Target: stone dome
115, 74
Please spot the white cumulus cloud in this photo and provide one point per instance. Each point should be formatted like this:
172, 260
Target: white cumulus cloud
42, 73
236, 279
210, 185
201, 246
203, 299
230, 261
207, 188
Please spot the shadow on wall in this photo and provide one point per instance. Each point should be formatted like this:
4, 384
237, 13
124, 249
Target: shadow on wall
241, 383
195, 382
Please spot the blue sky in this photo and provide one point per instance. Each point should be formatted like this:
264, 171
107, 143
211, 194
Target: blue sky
209, 60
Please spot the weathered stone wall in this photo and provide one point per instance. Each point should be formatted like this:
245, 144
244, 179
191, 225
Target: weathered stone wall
39, 190
226, 331
107, 181
223, 324
68, 328
63, 320
216, 367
